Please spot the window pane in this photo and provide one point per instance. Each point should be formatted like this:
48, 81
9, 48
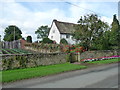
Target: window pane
67, 35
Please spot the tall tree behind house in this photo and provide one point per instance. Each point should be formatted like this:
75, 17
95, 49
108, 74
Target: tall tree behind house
12, 33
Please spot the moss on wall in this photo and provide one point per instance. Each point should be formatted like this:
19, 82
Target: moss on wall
31, 60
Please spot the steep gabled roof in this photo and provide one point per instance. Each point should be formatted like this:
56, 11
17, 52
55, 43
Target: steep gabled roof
65, 27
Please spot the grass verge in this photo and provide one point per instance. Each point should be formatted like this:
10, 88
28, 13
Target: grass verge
19, 74
105, 61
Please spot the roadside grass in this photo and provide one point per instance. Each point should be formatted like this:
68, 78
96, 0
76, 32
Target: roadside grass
105, 61
19, 74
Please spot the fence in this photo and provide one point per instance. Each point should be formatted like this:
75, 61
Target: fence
14, 44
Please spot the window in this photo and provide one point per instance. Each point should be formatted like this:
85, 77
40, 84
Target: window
51, 37
67, 35
53, 31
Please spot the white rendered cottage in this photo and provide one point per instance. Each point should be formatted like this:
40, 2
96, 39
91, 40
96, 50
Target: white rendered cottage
60, 30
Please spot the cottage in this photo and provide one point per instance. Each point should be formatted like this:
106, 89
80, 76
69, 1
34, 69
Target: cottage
60, 30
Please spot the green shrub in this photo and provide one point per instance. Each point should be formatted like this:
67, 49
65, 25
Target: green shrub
47, 40
29, 39
63, 41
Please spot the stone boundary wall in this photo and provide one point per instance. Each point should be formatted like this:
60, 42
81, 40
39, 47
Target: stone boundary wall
31, 60
97, 54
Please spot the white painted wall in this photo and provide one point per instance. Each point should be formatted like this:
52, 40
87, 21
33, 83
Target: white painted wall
69, 40
54, 33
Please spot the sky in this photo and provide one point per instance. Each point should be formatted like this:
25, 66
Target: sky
28, 15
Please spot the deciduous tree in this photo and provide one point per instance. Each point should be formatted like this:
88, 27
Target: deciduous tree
12, 32
42, 32
88, 29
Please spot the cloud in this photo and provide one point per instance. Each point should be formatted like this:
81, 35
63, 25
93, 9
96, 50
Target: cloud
106, 19
13, 13
84, 8
77, 11
28, 21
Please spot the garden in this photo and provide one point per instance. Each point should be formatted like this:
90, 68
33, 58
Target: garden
102, 60
43, 47
14, 51
117, 57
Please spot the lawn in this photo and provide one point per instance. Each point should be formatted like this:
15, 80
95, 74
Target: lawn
105, 61
19, 74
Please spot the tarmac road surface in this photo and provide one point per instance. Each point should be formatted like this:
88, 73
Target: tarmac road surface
105, 76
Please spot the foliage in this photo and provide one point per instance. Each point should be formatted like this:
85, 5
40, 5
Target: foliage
13, 75
29, 39
0, 38
115, 33
5, 51
73, 48
88, 29
42, 32
10, 31
100, 58
105, 61
8, 63
63, 41
109, 39
14, 51
102, 42
56, 47
21, 51
39, 47
47, 40
9, 51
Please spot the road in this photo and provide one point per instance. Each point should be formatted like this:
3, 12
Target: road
105, 76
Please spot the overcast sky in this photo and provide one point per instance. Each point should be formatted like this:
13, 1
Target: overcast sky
28, 15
